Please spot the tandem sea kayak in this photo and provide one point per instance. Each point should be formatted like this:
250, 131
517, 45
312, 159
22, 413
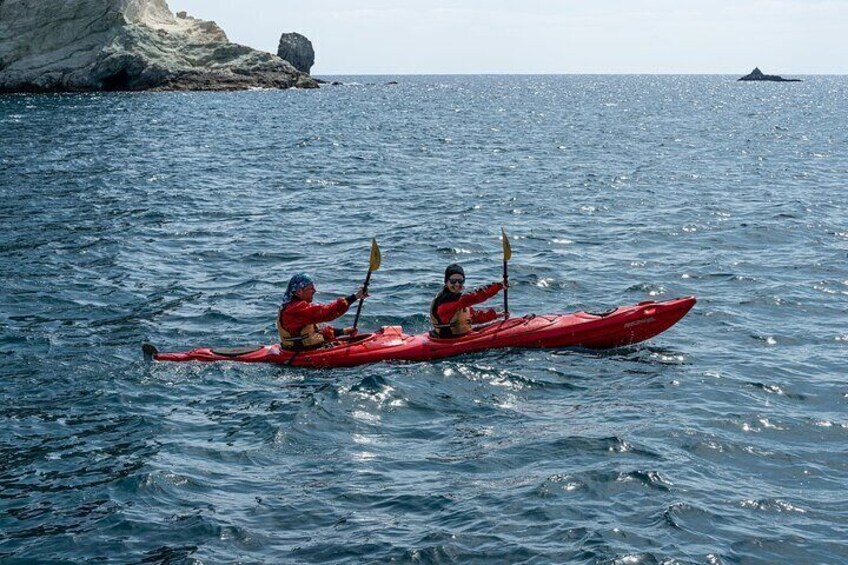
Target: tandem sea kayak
622, 326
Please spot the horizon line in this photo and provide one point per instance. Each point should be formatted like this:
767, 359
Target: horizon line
496, 73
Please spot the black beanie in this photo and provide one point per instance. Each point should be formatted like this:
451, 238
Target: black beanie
453, 269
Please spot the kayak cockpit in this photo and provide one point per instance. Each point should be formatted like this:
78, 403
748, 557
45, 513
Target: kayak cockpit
235, 351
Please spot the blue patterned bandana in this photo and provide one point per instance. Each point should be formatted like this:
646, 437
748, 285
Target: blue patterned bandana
297, 282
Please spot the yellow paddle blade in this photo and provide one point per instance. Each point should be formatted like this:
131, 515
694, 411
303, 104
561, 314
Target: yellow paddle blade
507, 249
376, 257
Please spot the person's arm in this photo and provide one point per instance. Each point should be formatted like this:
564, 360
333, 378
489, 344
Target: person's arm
483, 316
339, 332
447, 310
318, 313
479, 295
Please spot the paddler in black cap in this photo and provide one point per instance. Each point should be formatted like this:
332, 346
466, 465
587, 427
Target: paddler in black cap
451, 312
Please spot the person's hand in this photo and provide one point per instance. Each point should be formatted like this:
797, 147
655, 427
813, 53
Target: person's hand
504, 315
361, 293
350, 331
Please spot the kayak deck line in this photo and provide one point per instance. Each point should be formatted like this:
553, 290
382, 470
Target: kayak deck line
619, 327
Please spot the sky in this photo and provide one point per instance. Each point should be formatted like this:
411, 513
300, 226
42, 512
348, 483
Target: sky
786, 37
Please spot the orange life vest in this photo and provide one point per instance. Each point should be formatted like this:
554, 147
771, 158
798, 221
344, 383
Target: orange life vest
308, 337
459, 324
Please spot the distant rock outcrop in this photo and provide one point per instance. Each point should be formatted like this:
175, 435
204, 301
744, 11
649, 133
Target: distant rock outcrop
297, 50
89, 45
757, 74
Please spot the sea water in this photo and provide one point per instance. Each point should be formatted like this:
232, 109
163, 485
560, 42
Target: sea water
177, 218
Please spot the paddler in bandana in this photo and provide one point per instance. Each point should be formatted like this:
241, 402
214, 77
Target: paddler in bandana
298, 317
451, 313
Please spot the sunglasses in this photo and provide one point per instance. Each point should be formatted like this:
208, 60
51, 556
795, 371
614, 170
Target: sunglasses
456, 281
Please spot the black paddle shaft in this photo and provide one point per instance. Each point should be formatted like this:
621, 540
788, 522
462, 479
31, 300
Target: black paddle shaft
506, 289
361, 300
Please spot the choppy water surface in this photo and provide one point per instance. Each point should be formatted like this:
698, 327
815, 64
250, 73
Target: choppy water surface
178, 218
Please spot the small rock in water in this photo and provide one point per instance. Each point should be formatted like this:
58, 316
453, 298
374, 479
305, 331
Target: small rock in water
757, 75
297, 50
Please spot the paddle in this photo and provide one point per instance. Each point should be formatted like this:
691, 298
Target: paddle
507, 255
376, 258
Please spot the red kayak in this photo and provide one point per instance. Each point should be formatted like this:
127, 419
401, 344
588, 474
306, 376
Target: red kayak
624, 325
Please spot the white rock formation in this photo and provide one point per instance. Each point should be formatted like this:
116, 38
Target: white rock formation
82, 45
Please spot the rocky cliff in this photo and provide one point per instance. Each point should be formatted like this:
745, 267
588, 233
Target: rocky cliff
84, 45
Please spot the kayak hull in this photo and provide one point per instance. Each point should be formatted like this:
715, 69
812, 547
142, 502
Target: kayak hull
623, 326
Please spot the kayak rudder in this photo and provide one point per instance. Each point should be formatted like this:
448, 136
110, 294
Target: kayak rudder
149, 350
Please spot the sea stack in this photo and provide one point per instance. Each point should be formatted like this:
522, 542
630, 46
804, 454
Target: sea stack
96, 45
297, 50
757, 74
